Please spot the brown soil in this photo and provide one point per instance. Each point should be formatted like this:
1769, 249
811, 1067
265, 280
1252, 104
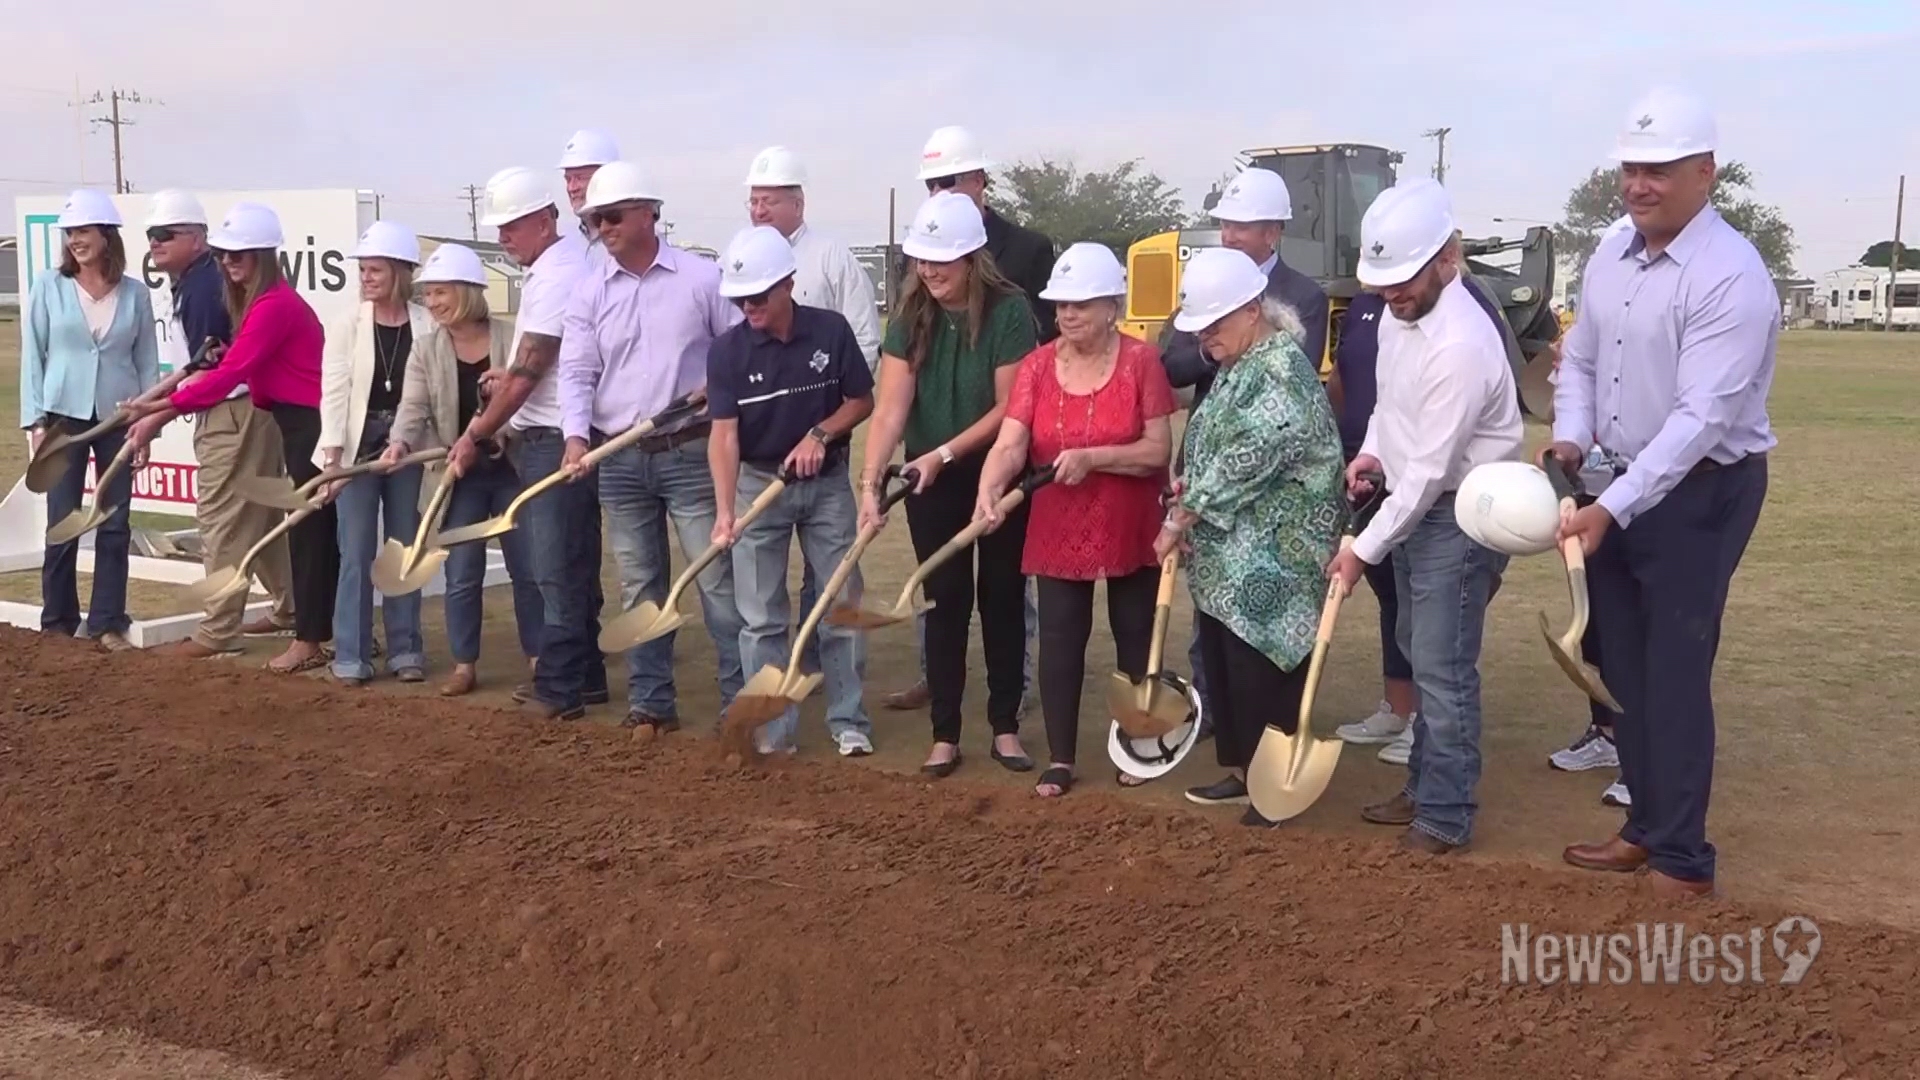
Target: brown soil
342, 885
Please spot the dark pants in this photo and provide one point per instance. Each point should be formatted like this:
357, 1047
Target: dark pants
999, 589
313, 545
482, 493
1249, 691
60, 566
1380, 577
1659, 589
562, 527
1066, 622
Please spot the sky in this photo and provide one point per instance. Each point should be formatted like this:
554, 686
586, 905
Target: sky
416, 103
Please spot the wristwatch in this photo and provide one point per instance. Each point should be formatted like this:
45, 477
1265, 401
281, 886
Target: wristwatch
946, 454
819, 433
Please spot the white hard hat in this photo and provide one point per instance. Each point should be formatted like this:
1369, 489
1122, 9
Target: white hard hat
248, 226
1407, 225
1085, 271
757, 259
512, 194
388, 240
947, 226
1508, 506
174, 207
618, 182
1666, 125
589, 146
1216, 283
1152, 758
776, 166
951, 151
452, 264
88, 207
1255, 195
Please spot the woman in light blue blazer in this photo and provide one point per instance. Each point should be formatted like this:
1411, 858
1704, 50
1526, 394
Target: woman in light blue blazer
88, 343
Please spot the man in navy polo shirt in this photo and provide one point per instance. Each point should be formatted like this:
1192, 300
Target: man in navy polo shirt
785, 389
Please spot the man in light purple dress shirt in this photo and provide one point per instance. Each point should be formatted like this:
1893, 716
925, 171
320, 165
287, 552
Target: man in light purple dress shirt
1667, 370
636, 338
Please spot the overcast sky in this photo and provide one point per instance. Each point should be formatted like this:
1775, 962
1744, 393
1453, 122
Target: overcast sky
417, 100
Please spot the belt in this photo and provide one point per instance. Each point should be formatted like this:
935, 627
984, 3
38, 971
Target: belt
654, 444
1705, 465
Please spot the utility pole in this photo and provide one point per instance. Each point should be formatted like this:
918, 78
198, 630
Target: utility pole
473, 210
376, 206
1893, 261
1439, 136
113, 99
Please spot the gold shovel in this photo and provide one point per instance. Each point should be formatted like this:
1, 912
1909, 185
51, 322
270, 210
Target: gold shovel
1289, 773
279, 492
80, 522
683, 409
404, 569
647, 621
871, 618
1159, 702
771, 690
229, 581
1566, 648
49, 459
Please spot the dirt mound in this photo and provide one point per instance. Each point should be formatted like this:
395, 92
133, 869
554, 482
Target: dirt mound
335, 885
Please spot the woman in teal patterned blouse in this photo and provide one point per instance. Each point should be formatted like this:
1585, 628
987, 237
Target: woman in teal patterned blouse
1259, 510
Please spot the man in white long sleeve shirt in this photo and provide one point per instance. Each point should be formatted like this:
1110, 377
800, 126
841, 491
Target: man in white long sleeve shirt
1446, 404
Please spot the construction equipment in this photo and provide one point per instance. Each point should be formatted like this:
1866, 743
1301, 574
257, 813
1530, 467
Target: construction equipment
1566, 647
1289, 772
279, 492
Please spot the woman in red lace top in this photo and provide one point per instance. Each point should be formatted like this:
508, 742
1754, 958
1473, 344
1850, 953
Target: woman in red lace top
1094, 403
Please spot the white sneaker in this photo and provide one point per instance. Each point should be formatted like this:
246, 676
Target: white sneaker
853, 744
1382, 727
1616, 795
1400, 748
1592, 750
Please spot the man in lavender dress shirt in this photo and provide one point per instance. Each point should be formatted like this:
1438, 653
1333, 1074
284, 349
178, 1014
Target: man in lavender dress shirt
1667, 370
636, 338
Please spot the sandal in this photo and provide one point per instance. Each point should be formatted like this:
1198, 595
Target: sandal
318, 658
1128, 780
1055, 777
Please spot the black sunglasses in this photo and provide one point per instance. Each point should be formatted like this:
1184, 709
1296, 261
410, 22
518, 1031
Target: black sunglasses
612, 215
942, 183
758, 299
160, 234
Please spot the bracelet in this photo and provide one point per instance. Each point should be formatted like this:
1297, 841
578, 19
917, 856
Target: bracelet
1172, 526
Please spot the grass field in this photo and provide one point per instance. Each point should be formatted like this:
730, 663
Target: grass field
1817, 673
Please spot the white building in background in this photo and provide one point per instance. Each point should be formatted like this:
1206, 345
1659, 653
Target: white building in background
1861, 296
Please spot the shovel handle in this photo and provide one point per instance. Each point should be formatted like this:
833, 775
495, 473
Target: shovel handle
714, 551
1163, 611
114, 468
965, 537
1363, 510
429, 521
690, 403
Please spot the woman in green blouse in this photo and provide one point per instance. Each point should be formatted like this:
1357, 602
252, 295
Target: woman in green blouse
952, 350
1259, 509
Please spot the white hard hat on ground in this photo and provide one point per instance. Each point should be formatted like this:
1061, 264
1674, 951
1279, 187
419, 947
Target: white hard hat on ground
512, 194
947, 226
776, 166
248, 226
757, 259
174, 207
1407, 225
618, 182
951, 151
1255, 195
388, 240
1150, 759
589, 146
1085, 271
1666, 125
1508, 506
1216, 283
452, 264
88, 207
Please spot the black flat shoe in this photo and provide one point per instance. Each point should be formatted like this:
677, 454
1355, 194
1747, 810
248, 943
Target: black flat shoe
1253, 820
1011, 763
944, 769
1231, 790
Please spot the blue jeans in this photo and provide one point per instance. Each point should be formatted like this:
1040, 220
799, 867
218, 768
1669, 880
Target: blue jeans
60, 567
482, 493
641, 492
1443, 582
1033, 631
561, 528
826, 517
362, 507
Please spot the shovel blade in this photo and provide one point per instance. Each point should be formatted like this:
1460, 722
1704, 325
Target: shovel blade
74, 526
859, 618
480, 530
802, 688
390, 568
44, 470
1584, 675
643, 623
1289, 773
1148, 709
271, 491
415, 579
216, 586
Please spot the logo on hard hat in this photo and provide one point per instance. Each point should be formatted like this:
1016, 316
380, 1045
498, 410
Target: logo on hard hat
1066, 268
738, 266
1379, 249
933, 226
1644, 122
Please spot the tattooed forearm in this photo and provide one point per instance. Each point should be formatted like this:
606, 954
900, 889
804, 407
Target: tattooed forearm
537, 356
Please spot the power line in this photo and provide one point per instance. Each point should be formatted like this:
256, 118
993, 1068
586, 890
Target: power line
1439, 136
113, 99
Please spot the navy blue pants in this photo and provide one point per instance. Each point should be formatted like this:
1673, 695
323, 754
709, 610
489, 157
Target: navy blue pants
562, 528
1393, 663
1658, 588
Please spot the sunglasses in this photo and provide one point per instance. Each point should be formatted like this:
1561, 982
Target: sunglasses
231, 256
759, 299
160, 234
612, 215
942, 183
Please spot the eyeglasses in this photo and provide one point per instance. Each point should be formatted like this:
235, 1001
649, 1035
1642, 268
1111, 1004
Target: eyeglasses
160, 234
759, 299
942, 183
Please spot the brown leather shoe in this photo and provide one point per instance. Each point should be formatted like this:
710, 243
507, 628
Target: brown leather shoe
1416, 841
460, 683
1398, 810
1615, 855
1667, 887
189, 649
264, 626
916, 696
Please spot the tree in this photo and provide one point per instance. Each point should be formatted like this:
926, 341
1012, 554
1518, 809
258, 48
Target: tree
1114, 207
1596, 203
1881, 255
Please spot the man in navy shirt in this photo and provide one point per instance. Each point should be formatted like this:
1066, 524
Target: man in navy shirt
785, 389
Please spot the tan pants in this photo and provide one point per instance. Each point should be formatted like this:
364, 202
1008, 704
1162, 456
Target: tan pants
233, 440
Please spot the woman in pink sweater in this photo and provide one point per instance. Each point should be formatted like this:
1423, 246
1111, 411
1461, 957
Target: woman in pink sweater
276, 353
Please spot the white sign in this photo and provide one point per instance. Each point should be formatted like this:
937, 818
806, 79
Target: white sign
321, 227
1665, 953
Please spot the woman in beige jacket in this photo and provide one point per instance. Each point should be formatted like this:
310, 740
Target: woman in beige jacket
446, 386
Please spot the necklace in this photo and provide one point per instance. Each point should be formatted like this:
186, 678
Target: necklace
387, 359
1086, 421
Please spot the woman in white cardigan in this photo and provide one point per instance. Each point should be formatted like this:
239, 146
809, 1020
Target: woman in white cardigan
362, 380
447, 386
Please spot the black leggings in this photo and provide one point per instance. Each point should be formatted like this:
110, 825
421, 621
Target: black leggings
1066, 623
1246, 691
313, 545
1000, 591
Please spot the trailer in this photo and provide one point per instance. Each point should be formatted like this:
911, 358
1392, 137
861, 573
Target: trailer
1861, 298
